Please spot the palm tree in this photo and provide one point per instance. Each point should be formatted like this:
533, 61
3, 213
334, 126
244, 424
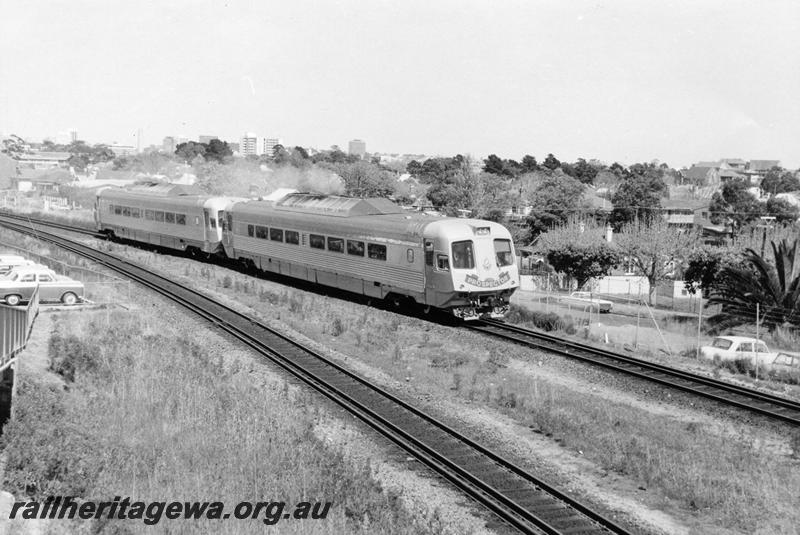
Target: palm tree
774, 286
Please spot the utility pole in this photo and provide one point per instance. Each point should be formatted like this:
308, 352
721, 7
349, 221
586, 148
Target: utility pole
699, 322
758, 339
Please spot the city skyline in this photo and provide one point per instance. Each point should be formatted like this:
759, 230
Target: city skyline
679, 82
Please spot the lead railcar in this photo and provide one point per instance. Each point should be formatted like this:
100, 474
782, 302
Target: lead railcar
373, 247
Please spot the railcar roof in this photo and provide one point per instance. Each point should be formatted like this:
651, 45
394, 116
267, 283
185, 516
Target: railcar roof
337, 206
160, 190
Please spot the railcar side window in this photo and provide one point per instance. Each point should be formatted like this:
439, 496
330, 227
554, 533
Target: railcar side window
261, 232
126, 211
293, 237
355, 248
117, 209
213, 223
251, 230
376, 251
316, 241
462, 255
169, 217
502, 250
336, 245
429, 252
159, 216
276, 234
442, 262
410, 255
135, 212
149, 214
180, 219
110, 208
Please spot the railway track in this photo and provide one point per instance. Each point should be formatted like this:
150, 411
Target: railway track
764, 404
517, 497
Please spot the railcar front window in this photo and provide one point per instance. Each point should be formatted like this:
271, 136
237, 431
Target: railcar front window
336, 245
502, 250
293, 237
463, 257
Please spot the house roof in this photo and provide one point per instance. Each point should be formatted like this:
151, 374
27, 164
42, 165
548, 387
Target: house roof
763, 165
737, 161
730, 173
56, 176
50, 156
714, 165
689, 204
698, 172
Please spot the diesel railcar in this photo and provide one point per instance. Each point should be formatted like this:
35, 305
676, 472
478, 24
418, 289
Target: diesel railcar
166, 215
374, 248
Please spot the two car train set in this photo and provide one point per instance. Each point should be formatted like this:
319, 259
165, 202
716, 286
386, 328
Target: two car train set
368, 246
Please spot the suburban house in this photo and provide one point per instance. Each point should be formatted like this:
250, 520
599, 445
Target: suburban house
42, 160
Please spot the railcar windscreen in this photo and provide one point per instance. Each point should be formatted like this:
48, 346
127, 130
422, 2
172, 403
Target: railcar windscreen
462, 255
502, 249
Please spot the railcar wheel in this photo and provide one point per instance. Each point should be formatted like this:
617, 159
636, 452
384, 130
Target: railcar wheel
69, 298
13, 300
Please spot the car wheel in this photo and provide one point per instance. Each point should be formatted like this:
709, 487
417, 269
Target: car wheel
69, 298
13, 300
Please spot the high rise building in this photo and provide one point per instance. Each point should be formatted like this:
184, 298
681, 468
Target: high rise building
170, 143
251, 144
357, 148
206, 139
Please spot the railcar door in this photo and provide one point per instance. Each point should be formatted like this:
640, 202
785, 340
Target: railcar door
438, 282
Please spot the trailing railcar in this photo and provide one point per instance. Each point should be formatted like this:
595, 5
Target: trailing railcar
374, 248
166, 215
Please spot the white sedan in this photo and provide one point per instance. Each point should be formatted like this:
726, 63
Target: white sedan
585, 300
725, 348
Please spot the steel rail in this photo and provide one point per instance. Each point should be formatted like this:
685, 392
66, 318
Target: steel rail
741, 397
514, 495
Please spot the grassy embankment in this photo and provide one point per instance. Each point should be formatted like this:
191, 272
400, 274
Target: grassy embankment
728, 479
150, 414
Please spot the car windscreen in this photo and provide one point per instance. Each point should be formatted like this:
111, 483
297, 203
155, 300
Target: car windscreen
462, 255
502, 251
722, 343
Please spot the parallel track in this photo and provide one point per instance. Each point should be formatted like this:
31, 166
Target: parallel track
726, 393
729, 394
517, 497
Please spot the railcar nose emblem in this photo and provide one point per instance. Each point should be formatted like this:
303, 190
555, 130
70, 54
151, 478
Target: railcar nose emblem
486, 263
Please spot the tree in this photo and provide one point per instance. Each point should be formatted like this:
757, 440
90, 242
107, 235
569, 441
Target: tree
551, 162
365, 179
703, 264
638, 195
777, 180
493, 164
735, 205
190, 150
217, 150
651, 245
578, 250
782, 210
456, 187
775, 286
584, 171
529, 164
553, 201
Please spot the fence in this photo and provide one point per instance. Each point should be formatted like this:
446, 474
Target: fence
15, 328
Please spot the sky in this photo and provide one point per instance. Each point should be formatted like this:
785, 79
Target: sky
619, 80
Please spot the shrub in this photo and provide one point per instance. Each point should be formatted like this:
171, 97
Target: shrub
69, 355
547, 321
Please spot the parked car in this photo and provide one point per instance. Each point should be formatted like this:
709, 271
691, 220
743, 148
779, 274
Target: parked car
726, 348
9, 262
585, 299
19, 285
785, 360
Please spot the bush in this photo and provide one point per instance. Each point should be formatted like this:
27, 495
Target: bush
69, 355
547, 321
